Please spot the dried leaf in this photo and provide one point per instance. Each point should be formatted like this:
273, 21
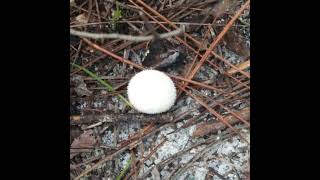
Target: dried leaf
85, 140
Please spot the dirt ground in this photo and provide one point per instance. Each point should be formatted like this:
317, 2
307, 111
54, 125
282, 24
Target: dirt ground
206, 134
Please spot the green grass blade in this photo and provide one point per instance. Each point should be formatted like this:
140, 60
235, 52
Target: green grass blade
104, 83
125, 169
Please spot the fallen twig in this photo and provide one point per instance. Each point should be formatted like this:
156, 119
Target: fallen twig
125, 36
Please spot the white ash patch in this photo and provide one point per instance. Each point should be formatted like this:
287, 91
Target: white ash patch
108, 138
119, 70
221, 167
175, 143
164, 173
193, 105
200, 172
206, 92
117, 104
104, 92
225, 157
206, 73
187, 104
83, 105
124, 158
80, 86
197, 172
197, 149
191, 129
220, 21
180, 124
186, 158
137, 58
126, 130
231, 56
232, 155
98, 104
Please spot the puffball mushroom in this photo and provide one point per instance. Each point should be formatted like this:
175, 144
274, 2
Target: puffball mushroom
151, 92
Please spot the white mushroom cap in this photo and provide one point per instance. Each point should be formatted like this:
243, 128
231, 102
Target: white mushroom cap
151, 92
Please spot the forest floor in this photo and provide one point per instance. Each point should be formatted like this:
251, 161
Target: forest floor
206, 134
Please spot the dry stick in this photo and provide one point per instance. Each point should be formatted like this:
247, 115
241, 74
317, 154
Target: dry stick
111, 156
182, 10
106, 77
213, 104
98, 11
230, 111
196, 83
155, 131
241, 66
141, 67
104, 18
108, 158
194, 40
145, 131
118, 48
196, 57
124, 36
183, 42
171, 158
138, 66
192, 161
151, 22
149, 27
80, 44
212, 111
136, 9
77, 52
217, 40
112, 54
88, 64
194, 60
141, 162
235, 114
229, 75
164, 27
117, 118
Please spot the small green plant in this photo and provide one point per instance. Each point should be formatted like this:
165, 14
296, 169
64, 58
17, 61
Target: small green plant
116, 16
104, 83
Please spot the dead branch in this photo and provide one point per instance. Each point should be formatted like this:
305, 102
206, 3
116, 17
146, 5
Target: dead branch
115, 118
